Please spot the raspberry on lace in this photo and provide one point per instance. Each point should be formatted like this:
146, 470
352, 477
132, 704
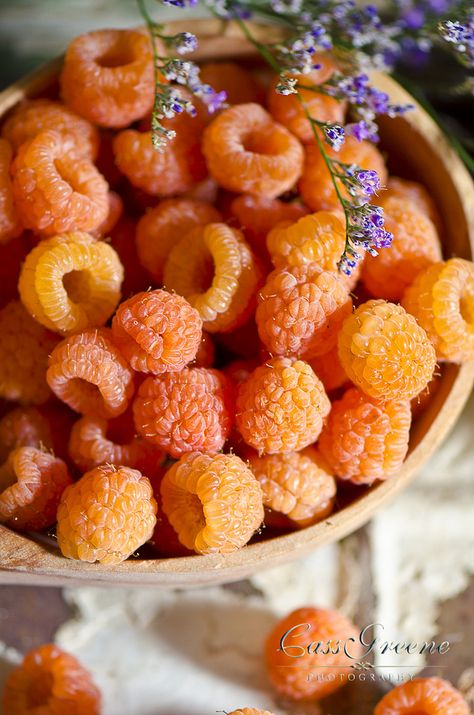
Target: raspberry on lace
71, 282
10, 225
213, 502
385, 352
281, 407
106, 516
88, 373
157, 331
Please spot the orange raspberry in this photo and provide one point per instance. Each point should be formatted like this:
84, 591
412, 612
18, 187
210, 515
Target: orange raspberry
215, 270
213, 502
385, 352
294, 660
417, 194
295, 485
248, 152
94, 441
442, 300
257, 215
165, 173
300, 311
206, 353
56, 190
108, 76
106, 516
329, 370
50, 681
239, 84
316, 187
415, 246
10, 226
115, 211
185, 411
31, 483
23, 427
281, 407
24, 350
365, 439
289, 111
71, 282
157, 331
426, 696
205, 190
34, 116
12, 255
250, 711
88, 373
160, 228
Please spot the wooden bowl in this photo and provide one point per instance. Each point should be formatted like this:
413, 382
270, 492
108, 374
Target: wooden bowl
417, 149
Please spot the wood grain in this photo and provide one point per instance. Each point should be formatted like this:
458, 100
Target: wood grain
417, 148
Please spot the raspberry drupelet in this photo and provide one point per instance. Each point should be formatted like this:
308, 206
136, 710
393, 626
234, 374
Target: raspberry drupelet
297, 488
186, 411
50, 681
423, 696
24, 350
23, 427
248, 152
385, 352
300, 311
365, 439
71, 282
34, 116
55, 189
31, 484
293, 660
108, 76
10, 225
95, 441
316, 186
161, 227
441, 298
88, 373
417, 194
281, 407
213, 502
415, 246
215, 270
239, 85
106, 516
157, 331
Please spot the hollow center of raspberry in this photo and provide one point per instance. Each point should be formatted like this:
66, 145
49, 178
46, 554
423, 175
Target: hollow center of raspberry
466, 308
90, 394
77, 286
194, 513
260, 143
40, 691
116, 57
202, 273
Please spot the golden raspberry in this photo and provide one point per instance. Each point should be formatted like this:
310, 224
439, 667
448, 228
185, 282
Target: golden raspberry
157, 331
301, 310
365, 439
441, 299
417, 194
71, 282
55, 189
162, 226
31, 485
23, 427
423, 696
316, 186
213, 502
107, 76
239, 85
296, 485
215, 270
385, 352
293, 667
281, 407
329, 370
88, 373
24, 349
185, 411
33, 116
415, 246
10, 225
250, 711
248, 152
52, 682
106, 516
95, 441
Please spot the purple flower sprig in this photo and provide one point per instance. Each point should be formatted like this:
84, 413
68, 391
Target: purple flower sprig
460, 35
